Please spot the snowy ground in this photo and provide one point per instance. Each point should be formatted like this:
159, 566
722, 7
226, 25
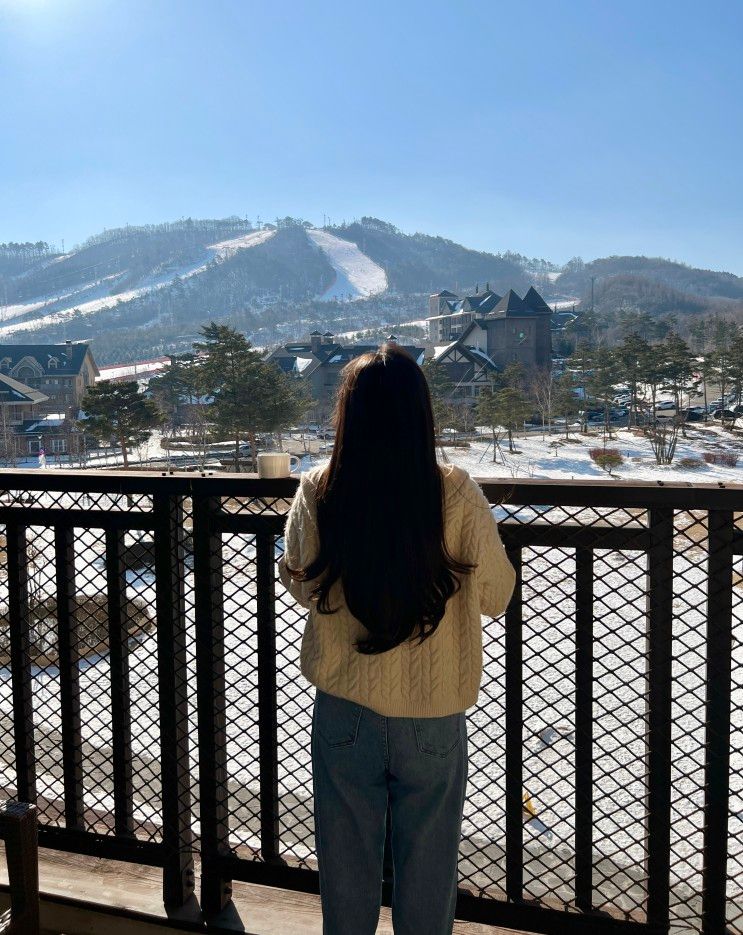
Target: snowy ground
551, 456
356, 276
535, 456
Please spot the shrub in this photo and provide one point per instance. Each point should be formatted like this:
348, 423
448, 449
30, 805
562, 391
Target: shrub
691, 464
725, 458
606, 458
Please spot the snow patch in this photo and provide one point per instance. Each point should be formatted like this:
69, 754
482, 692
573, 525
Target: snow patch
356, 276
228, 248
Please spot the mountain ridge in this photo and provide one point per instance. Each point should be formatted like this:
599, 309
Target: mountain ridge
126, 286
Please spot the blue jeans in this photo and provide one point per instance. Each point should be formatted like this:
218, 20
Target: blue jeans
361, 761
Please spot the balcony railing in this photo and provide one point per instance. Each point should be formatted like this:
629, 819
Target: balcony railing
152, 707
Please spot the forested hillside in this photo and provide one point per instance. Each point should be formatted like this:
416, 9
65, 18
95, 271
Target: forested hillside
420, 263
576, 277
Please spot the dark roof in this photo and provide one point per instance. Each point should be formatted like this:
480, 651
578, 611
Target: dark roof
444, 292
510, 303
333, 353
315, 332
534, 301
69, 356
475, 356
13, 391
489, 301
285, 363
346, 352
328, 334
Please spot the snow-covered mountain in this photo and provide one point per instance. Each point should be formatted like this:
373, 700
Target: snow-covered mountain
159, 283
144, 291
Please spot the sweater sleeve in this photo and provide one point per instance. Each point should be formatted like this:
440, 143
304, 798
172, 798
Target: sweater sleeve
496, 576
301, 543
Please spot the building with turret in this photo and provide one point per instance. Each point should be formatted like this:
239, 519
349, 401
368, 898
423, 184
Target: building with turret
478, 335
507, 328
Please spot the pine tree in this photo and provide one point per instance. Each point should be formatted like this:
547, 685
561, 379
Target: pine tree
178, 383
250, 394
601, 381
487, 412
564, 400
121, 412
632, 356
679, 373
511, 408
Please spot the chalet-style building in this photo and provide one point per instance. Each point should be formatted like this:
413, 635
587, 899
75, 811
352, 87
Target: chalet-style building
24, 425
320, 362
506, 328
61, 372
480, 334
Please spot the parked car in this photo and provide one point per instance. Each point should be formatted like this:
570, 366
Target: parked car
693, 415
665, 404
326, 434
724, 414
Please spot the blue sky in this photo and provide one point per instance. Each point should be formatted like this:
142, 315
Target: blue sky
551, 128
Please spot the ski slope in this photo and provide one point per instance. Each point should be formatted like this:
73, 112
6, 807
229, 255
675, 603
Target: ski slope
356, 276
70, 301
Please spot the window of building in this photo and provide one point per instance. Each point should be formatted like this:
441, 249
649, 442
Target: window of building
53, 363
59, 445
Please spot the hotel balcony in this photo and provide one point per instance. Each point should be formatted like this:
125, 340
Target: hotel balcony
153, 711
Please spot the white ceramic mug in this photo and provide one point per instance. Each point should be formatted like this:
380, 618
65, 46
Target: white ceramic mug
276, 463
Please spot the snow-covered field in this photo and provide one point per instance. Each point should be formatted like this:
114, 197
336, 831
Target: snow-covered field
96, 296
356, 276
551, 456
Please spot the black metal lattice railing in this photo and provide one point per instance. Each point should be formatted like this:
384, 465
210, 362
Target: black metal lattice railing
152, 706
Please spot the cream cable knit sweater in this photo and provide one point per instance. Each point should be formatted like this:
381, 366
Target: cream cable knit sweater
442, 675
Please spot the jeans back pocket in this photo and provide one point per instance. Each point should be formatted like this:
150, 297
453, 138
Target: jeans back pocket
336, 719
438, 736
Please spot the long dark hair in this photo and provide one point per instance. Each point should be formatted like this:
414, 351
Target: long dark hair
380, 505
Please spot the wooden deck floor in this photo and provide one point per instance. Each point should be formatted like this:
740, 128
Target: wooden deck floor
260, 910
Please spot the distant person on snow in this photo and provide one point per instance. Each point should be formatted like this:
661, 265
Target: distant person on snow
396, 558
